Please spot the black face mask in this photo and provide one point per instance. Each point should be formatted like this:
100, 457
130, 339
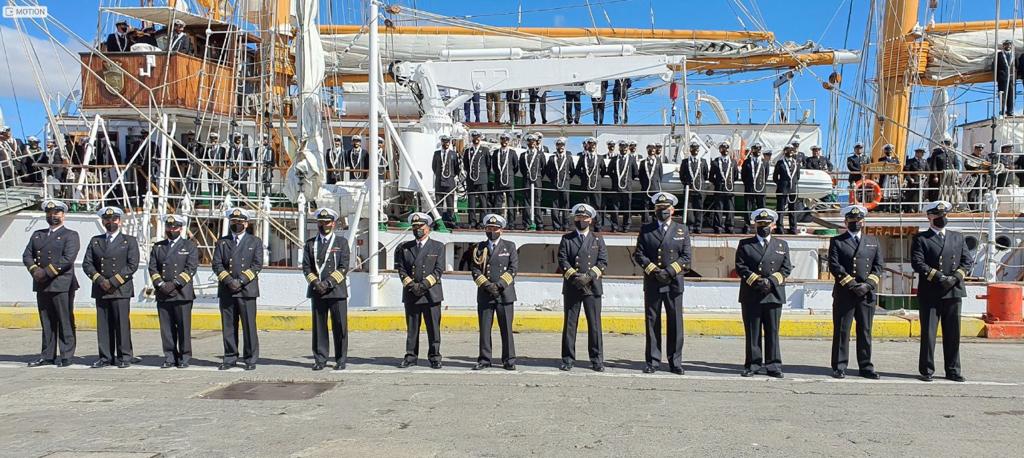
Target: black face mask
419, 232
663, 214
237, 227
52, 220
111, 227
492, 236
763, 231
171, 235
854, 226
581, 225
940, 222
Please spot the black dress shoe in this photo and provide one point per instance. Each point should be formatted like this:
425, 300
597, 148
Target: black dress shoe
136, 360
250, 366
677, 371
100, 363
565, 367
339, 366
40, 362
956, 378
225, 366
838, 374
123, 364
435, 364
597, 367
63, 362
318, 366
650, 369
747, 373
480, 366
182, 365
870, 375
509, 366
924, 378
406, 363
775, 374
167, 365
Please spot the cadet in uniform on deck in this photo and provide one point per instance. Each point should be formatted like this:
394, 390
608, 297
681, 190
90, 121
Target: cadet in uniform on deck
237, 261
559, 171
172, 268
817, 161
590, 169
663, 251
476, 163
787, 181
110, 262
267, 162
621, 171
420, 263
723, 177
325, 263
754, 174
494, 267
693, 173
531, 167
50, 258
855, 262
915, 181
762, 264
357, 159
336, 160
940, 258
582, 258
649, 170
504, 164
446, 170
855, 161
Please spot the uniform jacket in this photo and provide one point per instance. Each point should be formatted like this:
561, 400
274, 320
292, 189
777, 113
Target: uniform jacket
265, 155
754, 262
504, 164
590, 168
658, 249
915, 165
883, 179
239, 157
531, 167
176, 263
853, 165
584, 255
649, 171
854, 262
116, 261
56, 254
786, 179
559, 171
358, 160
498, 267
477, 164
627, 165
693, 172
328, 264
752, 182
723, 176
818, 163
421, 265
335, 160
116, 43
931, 255
242, 261
446, 171
943, 161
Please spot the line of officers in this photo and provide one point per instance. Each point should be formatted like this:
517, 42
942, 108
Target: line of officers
663, 250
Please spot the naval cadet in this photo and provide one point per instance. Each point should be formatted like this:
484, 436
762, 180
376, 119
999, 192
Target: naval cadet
476, 162
940, 258
787, 184
336, 160
173, 262
50, 258
855, 262
325, 263
649, 171
693, 174
590, 168
754, 175
445, 165
914, 193
531, 168
237, 261
621, 173
357, 159
239, 158
582, 259
266, 160
111, 260
494, 267
420, 263
762, 264
559, 172
663, 251
504, 164
855, 162
723, 177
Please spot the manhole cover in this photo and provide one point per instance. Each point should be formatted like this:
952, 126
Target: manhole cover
270, 391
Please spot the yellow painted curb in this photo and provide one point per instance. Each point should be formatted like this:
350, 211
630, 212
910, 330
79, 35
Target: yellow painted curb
969, 327
619, 323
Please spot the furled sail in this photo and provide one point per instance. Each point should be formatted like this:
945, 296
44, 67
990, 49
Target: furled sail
308, 170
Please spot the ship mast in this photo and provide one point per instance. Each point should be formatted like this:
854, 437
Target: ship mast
896, 57
374, 151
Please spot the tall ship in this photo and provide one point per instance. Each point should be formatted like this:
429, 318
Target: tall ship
190, 107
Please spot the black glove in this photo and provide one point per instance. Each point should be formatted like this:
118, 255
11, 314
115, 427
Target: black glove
764, 286
493, 290
415, 289
235, 285
422, 290
322, 287
860, 289
948, 281
167, 288
105, 285
39, 275
663, 276
581, 280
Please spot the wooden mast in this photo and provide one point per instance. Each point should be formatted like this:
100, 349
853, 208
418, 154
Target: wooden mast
897, 54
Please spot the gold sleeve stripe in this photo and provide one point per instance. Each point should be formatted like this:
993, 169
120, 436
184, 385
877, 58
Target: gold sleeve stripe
430, 280
874, 279
597, 271
676, 267
569, 273
155, 277
249, 274
120, 279
311, 277
480, 280
752, 278
845, 280
778, 277
222, 275
97, 275
53, 269
651, 267
32, 268
185, 277
962, 273
406, 281
507, 278
337, 276
931, 274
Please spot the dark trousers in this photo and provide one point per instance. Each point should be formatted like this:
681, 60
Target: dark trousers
724, 207
573, 106
114, 329
501, 199
477, 203
175, 330
946, 311
756, 317
338, 311
475, 102
529, 201
673, 303
57, 318
1007, 87
444, 199
541, 100
751, 202
559, 209
787, 210
485, 312
621, 214
621, 102
593, 198
431, 314
592, 308
843, 315
598, 105
695, 212
233, 310
647, 216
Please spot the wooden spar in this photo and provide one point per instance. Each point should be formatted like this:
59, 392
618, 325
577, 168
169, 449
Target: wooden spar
565, 32
974, 26
895, 81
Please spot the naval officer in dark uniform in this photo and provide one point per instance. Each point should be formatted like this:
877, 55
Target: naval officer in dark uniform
663, 251
173, 262
111, 260
445, 166
237, 261
693, 174
50, 258
762, 263
855, 262
494, 267
476, 162
325, 262
582, 258
420, 263
940, 258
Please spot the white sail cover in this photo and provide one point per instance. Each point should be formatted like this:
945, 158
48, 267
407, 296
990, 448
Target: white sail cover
938, 119
961, 53
308, 168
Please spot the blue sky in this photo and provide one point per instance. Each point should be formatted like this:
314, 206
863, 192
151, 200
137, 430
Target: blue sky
824, 22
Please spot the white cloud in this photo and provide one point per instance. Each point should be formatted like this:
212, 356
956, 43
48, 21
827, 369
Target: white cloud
60, 69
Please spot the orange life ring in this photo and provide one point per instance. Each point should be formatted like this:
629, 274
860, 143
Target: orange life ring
875, 189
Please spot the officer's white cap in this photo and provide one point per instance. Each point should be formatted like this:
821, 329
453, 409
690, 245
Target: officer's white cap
539, 134
814, 147
664, 198
492, 219
325, 214
1006, 145
419, 218
724, 143
888, 146
175, 220
504, 136
657, 144
854, 211
110, 211
265, 136
214, 135
584, 209
947, 138
921, 149
623, 143
32, 139
796, 141
938, 206
531, 137
632, 143
445, 138
979, 145
764, 215
6, 129
474, 133
560, 141
237, 213
694, 143
54, 205
179, 22
858, 145
756, 145
610, 142
590, 140
380, 140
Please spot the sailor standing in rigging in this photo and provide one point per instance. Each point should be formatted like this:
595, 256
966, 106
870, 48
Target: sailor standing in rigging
723, 177
663, 251
855, 262
325, 263
941, 260
589, 169
693, 174
50, 258
237, 261
110, 262
787, 181
559, 171
172, 268
582, 259
445, 165
621, 172
336, 160
476, 163
762, 264
267, 162
420, 263
531, 167
494, 267
504, 164
754, 174
649, 170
